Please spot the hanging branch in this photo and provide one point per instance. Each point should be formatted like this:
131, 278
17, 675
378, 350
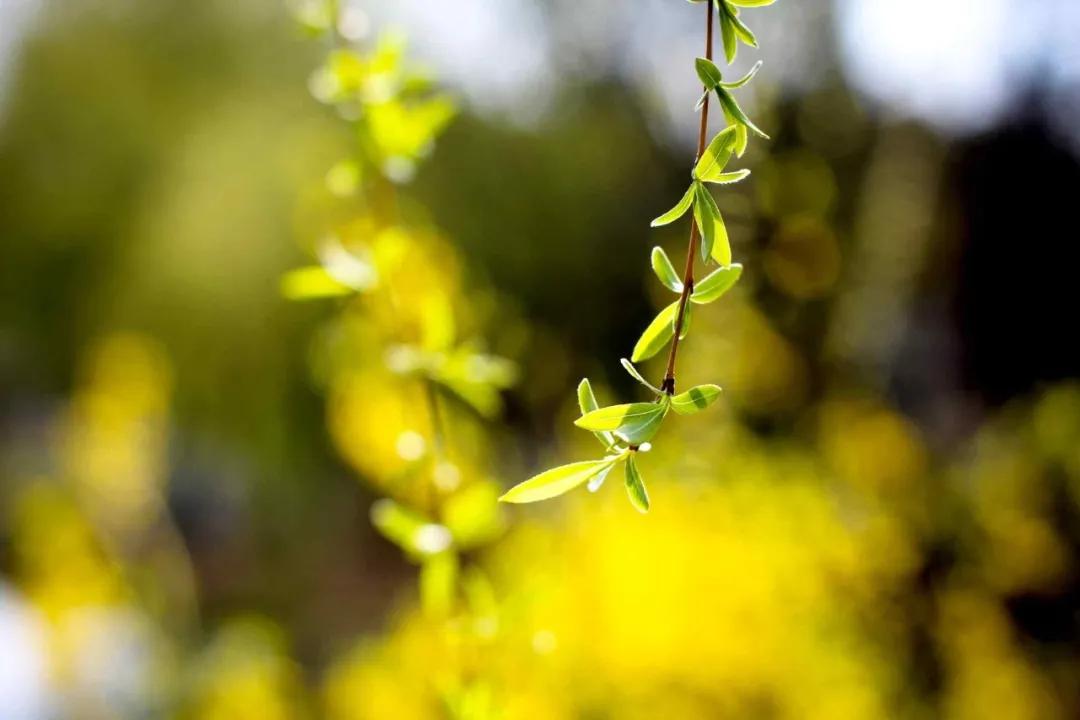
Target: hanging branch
625, 430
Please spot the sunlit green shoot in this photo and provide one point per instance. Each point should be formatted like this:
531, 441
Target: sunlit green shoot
656, 335
633, 371
634, 423
635, 487
557, 481
665, 271
676, 212
695, 399
587, 403
715, 284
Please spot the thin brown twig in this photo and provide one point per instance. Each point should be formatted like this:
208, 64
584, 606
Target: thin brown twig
668, 385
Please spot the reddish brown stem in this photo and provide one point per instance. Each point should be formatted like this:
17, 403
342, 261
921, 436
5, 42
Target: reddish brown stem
668, 384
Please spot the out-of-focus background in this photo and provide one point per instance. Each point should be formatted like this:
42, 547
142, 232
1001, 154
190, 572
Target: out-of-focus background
880, 518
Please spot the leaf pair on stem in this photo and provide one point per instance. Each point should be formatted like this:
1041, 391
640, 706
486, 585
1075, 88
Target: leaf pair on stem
624, 431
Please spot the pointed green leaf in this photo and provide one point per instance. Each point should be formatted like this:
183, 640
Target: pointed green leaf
585, 398
744, 79
614, 417
721, 249
716, 283
633, 371
598, 479
587, 403
742, 139
641, 432
727, 101
716, 155
656, 335
741, 31
728, 178
556, 481
695, 399
727, 35
634, 423
708, 72
665, 271
676, 212
714, 236
635, 487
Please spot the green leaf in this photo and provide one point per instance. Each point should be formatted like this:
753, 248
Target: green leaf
557, 481
721, 249
708, 72
695, 399
728, 178
587, 403
585, 398
665, 271
676, 212
598, 480
634, 423
614, 417
741, 31
701, 100
742, 139
633, 371
635, 487
716, 155
727, 101
714, 236
727, 35
744, 79
752, 3
716, 283
656, 335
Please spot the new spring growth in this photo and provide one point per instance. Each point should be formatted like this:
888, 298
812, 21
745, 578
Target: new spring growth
627, 430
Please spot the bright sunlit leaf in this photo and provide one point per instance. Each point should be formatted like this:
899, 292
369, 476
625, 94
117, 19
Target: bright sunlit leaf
676, 212
656, 335
744, 79
716, 155
715, 284
633, 371
708, 72
728, 178
587, 403
727, 36
635, 487
597, 480
695, 399
665, 271
727, 100
634, 423
714, 237
556, 481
